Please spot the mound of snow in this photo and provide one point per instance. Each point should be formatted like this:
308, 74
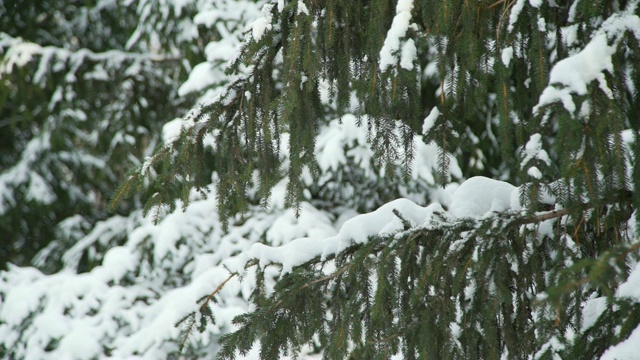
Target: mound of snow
480, 195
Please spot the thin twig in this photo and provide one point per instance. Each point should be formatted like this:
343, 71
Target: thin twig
545, 216
334, 275
495, 4
217, 290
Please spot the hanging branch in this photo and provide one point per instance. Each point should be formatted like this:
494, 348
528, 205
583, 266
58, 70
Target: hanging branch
460, 226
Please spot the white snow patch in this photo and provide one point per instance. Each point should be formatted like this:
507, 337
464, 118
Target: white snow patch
626, 350
302, 8
572, 11
19, 53
39, 190
199, 78
398, 30
408, 55
579, 70
535, 3
533, 150
117, 262
534, 172
542, 24
631, 287
331, 143
171, 130
507, 55
480, 195
263, 23
591, 311
311, 223
22, 172
430, 120
570, 34
573, 74
81, 342
515, 13
357, 230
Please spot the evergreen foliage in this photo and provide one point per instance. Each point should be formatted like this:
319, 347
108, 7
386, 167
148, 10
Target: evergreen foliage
537, 93
335, 179
80, 105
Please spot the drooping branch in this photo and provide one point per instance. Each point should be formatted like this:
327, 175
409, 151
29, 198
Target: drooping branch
460, 226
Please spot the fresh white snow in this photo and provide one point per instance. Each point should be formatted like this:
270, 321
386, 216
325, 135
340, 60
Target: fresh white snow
479, 196
573, 74
357, 230
263, 23
392, 43
131, 301
507, 55
430, 120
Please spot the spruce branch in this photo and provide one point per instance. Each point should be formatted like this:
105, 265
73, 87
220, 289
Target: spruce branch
462, 226
124, 190
325, 278
190, 319
405, 223
217, 290
538, 218
281, 309
84, 53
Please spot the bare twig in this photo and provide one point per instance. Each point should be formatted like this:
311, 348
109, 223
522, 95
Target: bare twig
496, 4
545, 216
217, 290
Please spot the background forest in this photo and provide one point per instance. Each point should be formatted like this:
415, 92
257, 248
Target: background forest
340, 179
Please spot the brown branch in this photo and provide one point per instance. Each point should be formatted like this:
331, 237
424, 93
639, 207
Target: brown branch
544, 216
554, 214
562, 212
496, 4
334, 275
502, 16
217, 290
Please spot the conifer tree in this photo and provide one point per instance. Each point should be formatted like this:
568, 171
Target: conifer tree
82, 102
87, 88
538, 93
368, 179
